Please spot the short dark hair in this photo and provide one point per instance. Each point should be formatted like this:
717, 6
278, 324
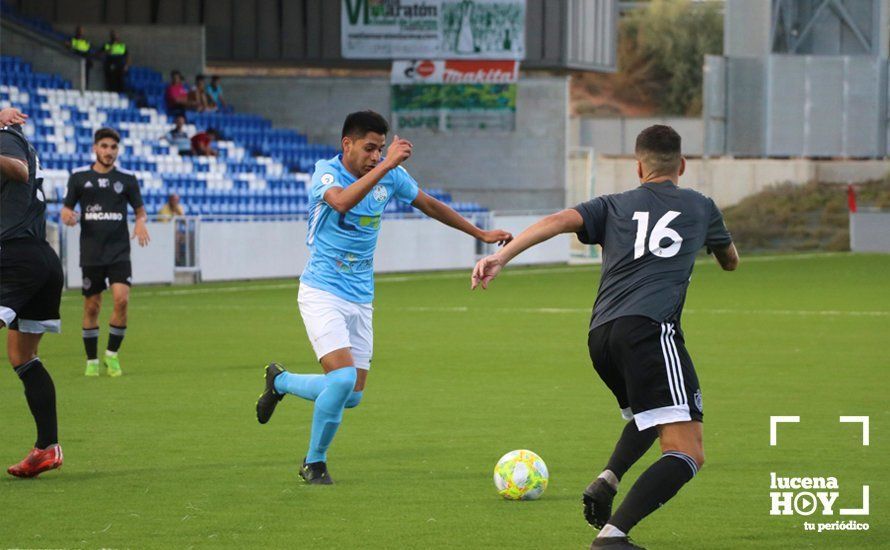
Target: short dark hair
106, 132
658, 147
199, 78
358, 124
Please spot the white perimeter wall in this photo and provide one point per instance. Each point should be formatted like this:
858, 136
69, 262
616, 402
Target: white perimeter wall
870, 232
251, 250
260, 250
152, 264
256, 250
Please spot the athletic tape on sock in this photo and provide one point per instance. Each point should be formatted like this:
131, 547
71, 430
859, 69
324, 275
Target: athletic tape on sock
693, 465
25, 367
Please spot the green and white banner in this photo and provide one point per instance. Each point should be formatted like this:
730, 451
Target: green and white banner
454, 94
433, 29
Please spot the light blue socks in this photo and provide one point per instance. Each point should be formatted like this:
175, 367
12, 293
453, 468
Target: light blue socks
328, 411
309, 386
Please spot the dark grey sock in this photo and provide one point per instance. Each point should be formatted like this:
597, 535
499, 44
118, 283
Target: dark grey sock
41, 396
631, 446
91, 342
653, 488
115, 337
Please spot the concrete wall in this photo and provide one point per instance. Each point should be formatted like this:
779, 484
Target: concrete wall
520, 170
617, 135
729, 180
870, 232
161, 47
44, 55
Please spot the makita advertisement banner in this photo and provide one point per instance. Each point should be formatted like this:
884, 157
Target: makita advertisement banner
455, 71
434, 29
450, 95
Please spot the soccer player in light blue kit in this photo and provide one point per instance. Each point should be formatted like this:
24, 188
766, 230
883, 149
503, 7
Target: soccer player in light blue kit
349, 194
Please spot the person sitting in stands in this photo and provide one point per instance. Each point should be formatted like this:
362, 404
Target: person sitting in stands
178, 137
177, 95
199, 97
171, 209
202, 143
216, 92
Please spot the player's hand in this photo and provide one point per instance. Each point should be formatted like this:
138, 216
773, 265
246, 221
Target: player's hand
496, 236
486, 270
140, 232
399, 151
69, 217
11, 115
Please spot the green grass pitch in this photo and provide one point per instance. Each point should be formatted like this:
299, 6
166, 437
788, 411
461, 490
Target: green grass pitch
170, 455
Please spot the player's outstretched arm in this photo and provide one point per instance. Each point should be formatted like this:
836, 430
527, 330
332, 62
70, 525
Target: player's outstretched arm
11, 115
440, 211
343, 199
566, 221
727, 257
140, 232
13, 169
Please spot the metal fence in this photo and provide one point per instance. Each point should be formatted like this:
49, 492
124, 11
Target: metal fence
796, 106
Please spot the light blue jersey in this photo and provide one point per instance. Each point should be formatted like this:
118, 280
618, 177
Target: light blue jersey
341, 246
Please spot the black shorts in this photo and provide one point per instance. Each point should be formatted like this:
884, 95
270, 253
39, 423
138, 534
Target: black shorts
96, 278
31, 283
647, 367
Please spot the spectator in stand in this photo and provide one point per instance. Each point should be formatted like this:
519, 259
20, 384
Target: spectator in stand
199, 97
202, 143
179, 137
79, 45
177, 95
171, 209
117, 63
216, 92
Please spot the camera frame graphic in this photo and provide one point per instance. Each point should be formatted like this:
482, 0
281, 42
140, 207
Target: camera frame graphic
774, 421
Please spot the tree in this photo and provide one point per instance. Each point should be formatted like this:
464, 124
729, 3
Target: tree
661, 52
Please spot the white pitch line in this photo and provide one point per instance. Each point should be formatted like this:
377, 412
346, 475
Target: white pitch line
386, 279
764, 312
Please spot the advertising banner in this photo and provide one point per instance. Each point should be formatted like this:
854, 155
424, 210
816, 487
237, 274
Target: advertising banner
433, 29
454, 94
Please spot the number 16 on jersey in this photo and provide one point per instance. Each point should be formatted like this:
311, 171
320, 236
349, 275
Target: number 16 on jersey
660, 232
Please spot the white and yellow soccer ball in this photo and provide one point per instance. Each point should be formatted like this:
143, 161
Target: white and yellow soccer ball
521, 475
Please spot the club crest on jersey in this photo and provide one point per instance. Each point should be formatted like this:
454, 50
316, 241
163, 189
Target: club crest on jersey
118, 187
327, 179
380, 193
103, 183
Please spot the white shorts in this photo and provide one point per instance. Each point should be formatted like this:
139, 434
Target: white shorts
333, 323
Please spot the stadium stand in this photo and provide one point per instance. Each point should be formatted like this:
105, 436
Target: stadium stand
259, 171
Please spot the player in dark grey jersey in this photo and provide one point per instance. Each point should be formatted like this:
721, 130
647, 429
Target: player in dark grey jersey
650, 237
104, 191
30, 287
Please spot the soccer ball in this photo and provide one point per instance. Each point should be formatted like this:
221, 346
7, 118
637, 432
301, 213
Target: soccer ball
520, 475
